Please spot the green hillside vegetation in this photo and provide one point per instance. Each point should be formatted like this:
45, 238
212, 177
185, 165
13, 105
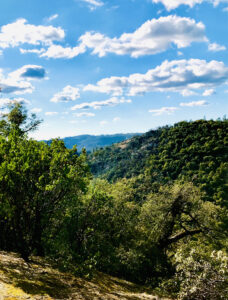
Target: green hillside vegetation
193, 151
159, 220
126, 159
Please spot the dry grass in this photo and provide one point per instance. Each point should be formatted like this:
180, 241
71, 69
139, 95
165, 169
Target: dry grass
39, 280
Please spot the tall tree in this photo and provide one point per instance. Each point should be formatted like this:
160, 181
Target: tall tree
37, 183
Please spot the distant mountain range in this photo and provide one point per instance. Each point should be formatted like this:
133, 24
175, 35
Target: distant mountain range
91, 142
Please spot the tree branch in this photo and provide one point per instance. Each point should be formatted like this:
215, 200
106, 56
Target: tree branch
182, 235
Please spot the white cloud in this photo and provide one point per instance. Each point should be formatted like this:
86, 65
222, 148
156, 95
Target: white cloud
51, 113
172, 4
4, 101
154, 36
36, 110
173, 76
68, 94
209, 92
14, 84
53, 17
194, 103
163, 110
93, 4
99, 104
36, 51
187, 93
20, 32
29, 72
84, 114
225, 9
57, 51
7, 101
214, 47
18, 81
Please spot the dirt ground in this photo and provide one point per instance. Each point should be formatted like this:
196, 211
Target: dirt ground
39, 281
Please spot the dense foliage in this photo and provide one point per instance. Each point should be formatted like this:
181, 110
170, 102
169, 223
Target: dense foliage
193, 151
37, 184
164, 225
196, 151
126, 159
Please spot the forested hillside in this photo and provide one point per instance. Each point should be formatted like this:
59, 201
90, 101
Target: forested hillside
185, 144
125, 159
195, 151
159, 220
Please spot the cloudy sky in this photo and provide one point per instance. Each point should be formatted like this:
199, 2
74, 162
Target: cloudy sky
111, 66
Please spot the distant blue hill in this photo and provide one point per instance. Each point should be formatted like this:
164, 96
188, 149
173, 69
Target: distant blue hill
91, 142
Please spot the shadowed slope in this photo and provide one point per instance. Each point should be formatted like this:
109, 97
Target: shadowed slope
38, 280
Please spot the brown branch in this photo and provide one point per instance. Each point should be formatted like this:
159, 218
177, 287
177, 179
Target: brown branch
182, 235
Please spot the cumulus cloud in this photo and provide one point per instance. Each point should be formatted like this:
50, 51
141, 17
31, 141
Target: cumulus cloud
173, 76
194, 103
58, 51
20, 32
68, 94
9, 87
154, 36
7, 101
172, 4
84, 114
209, 92
163, 110
214, 47
18, 81
29, 72
10, 84
99, 104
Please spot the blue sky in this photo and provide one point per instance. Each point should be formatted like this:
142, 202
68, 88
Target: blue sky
103, 67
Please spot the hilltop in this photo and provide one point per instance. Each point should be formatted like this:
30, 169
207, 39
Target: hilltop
167, 153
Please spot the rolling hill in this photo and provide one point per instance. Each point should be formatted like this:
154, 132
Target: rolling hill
91, 142
195, 151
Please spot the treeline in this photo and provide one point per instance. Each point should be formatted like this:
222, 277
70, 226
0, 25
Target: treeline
164, 225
